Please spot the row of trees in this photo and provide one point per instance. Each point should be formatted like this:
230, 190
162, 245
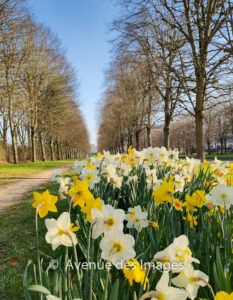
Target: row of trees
218, 132
37, 89
170, 57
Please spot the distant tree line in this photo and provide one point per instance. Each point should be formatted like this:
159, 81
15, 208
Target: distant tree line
38, 113
218, 132
170, 58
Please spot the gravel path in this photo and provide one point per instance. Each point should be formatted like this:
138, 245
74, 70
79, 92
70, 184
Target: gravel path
13, 193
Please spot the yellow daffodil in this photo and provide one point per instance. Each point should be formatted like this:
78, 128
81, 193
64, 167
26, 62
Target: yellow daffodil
80, 193
132, 160
196, 200
90, 166
73, 228
134, 272
191, 219
223, 296
178, 205
91, 203
154, 224
131, 150
44, 203
164, 192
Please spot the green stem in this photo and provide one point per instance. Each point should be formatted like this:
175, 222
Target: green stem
77, 271
38, 253
91, 271
65, 276
88, 261
106, 286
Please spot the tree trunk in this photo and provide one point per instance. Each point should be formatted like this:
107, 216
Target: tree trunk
167, 121
14, 144
51, 149
122, 147
42, 146
221, 143
208, 145
225, 144
14, 147
200, 137
33, 143
61, 151
166, 136
149, 136
58, 152
4, 137
137, 140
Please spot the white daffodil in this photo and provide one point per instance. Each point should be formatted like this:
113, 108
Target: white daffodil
64, 185
79, 165
221, 196
191, 280
117, 181
179, 183
117, 247
183, 252
178, 251
151, 155
60, 231
125, 169
107, 220
150, 177
56, 175
163, 155
91, 177
164, 291
108, 170
136, 218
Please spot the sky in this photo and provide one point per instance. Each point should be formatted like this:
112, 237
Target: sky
83, 29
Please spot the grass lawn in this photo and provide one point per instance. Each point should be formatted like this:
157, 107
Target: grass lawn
18, 241
10, 173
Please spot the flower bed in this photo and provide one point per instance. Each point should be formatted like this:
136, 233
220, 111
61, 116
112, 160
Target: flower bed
138, 225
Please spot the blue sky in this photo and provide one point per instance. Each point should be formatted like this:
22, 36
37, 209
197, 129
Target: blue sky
82, 26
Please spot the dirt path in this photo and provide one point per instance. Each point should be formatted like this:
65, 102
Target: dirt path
13, 193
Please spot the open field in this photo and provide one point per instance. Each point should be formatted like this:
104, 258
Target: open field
11, 173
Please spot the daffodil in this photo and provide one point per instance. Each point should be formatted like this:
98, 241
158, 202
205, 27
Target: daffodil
44, 203
223, 296
178, 205
196, 200
56, 176
164, 193
164, 291
178, 251
91, 176
136, 218
89, 205
131, 150
221, 196
61, 231
191, 280
64, 185
134, 272
107, 220
80, 193
117, 247
191, 219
